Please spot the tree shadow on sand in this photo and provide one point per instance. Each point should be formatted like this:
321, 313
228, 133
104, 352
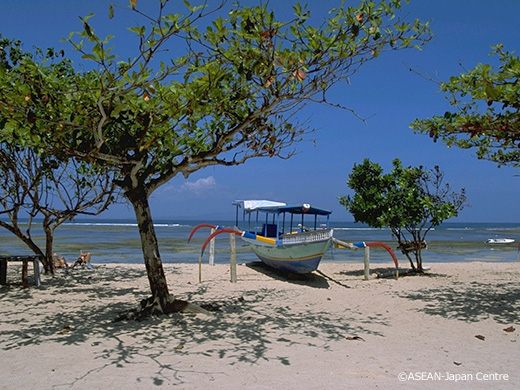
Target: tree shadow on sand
86, 287
239, 329
472, 302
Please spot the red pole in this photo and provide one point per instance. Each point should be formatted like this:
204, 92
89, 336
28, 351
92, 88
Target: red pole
381, 244
198, 227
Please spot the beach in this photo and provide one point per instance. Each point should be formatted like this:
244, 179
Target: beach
458, 326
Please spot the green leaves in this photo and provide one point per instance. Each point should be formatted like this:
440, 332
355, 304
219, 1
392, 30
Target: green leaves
139, 30
193, 9
198, 91
408, 200
407, 197
487, 115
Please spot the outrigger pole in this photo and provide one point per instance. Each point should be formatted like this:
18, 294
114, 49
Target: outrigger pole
355, 245
207, 225
201, 226
220, 230
272, 241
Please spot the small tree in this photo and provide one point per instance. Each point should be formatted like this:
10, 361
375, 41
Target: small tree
231, 95
487, 115
56, 191
410, 201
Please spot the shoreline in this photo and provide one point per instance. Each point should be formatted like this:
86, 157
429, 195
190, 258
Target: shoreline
331, 329
109, 242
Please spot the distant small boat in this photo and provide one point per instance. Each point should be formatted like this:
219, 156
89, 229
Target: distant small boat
500, 241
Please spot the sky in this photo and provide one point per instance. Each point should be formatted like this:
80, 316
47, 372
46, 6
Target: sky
384, 91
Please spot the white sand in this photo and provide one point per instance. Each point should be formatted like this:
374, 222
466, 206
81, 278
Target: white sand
324, 332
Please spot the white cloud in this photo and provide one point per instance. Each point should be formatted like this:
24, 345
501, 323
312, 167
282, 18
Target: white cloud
180, 190
199, 187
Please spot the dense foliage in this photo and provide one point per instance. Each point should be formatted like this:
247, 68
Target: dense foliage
408, 200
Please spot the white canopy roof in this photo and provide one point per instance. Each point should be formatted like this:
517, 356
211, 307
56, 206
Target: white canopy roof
257, 204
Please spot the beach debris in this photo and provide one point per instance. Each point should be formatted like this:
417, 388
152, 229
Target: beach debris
66, 329
355, 338
179, 346
457, 363
480, 337
509, 329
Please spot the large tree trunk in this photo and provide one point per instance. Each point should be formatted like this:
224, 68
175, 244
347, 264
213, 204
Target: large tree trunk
48, 228
161, 301
150, 246
49, 239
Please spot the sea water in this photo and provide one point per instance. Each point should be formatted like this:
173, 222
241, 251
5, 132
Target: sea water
118, 242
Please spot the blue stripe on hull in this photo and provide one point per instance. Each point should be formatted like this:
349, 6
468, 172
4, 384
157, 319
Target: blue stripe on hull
293, 266
296, 258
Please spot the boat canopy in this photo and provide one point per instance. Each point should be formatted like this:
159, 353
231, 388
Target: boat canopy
270, 206
274, 223
250, 205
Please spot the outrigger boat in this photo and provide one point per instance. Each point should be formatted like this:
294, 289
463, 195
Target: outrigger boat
284, 241
278, 235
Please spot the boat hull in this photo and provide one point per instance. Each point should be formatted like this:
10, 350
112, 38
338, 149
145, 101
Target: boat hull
299, 258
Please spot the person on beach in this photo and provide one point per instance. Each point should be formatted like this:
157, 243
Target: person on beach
83, 260
59, 262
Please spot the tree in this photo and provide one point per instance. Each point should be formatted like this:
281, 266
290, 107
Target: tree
231, 96
38, 184
41, 186
408, 200
487, 116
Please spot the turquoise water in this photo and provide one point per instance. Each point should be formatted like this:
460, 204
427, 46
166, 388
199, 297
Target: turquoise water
118, 242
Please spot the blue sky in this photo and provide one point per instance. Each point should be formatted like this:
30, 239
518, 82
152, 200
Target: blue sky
384, 91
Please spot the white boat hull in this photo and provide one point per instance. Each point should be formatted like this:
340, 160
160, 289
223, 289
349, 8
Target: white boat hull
298, 253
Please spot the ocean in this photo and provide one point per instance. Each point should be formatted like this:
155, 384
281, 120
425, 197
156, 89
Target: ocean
118, 242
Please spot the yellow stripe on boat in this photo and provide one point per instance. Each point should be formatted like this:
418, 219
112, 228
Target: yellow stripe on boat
267, 240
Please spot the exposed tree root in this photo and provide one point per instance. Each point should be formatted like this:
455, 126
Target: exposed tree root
152, 307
